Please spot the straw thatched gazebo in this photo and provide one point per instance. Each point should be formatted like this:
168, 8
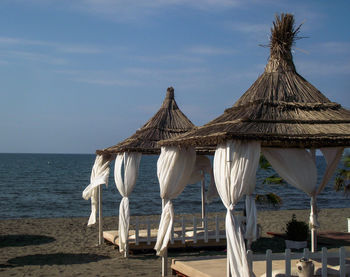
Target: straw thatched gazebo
287, 118
168, 122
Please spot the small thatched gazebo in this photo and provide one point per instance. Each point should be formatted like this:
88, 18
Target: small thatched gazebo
283, 115
168, 122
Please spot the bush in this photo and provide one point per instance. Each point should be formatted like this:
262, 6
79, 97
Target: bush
297, 230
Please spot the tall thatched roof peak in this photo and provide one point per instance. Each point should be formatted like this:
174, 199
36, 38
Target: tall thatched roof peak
170, 93
283, 37
169, 121
280, 109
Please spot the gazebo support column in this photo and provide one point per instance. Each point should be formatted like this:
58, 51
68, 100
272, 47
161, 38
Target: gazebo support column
100, 231
203, 199
313, 211
313, 239
312, 223
165, 256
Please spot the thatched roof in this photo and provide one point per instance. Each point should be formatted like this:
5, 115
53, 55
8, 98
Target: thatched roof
280, 109
168, 122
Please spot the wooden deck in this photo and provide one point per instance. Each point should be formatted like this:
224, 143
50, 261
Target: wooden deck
147, 239
216, 266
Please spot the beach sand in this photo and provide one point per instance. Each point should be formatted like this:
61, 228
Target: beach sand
67, 247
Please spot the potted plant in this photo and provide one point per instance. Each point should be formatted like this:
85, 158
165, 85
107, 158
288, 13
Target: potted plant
297, 233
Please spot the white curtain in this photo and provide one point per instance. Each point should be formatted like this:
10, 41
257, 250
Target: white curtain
251, 219
235, 165
203, 166
298, 168
99, 176
125, 186
332, 156
174, 169
295, 165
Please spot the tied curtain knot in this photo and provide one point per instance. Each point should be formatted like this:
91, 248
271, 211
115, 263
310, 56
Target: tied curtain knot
165, 227
231, 208
166, 201
125, 199
124, 218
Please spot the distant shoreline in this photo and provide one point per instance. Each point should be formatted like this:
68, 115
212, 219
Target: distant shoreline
274, 211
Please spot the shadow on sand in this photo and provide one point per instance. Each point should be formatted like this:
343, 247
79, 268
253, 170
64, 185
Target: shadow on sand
54, 259
24, 240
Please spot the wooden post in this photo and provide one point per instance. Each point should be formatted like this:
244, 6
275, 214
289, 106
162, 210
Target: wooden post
250, 262
313, 239
324, 262
268, 263
148, 231
205, 230
287, 258
203, 198
183, 230
172, 235
100, 231
313, 211
165, 256
313, 228
126, 253
217, 229
194, 230
137, 233
342, 256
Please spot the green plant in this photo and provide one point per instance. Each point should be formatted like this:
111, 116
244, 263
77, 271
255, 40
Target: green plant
269, 199
297, 230
342, 179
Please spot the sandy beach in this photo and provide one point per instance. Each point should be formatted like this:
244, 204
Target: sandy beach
67, 247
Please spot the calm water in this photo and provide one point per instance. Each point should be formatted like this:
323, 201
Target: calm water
51, 185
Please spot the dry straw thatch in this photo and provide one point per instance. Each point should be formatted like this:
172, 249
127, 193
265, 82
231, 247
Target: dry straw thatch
168, 122
280, 109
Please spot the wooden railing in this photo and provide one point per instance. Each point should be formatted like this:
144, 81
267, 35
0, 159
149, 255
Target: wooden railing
184, 230
287, 256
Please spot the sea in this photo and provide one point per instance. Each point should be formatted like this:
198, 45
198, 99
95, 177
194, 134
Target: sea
51, 185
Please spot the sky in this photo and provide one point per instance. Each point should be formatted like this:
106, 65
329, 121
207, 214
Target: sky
81, 75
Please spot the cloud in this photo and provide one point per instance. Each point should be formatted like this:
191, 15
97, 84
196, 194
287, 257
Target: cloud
333, 47
59, 47
108, 82
118, 6
324, 68
100, 77
132, 10
169, 58
250, 28
210, 50
78, 49
32, 56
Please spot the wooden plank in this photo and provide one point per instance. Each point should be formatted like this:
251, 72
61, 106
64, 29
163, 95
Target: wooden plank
268, 263
183, 230
250, 261
194, 230
137, 232
217, 228
324, 262
342, 256
287, 261
201, 267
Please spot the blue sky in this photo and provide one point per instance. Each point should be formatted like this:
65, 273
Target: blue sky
82, 75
